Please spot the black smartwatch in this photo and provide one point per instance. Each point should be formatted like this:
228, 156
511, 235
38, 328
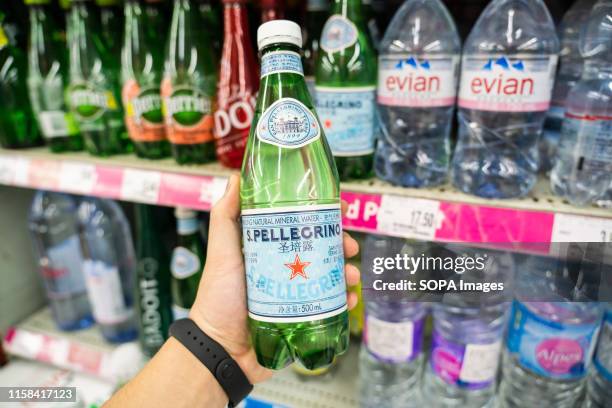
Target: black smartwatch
226, 371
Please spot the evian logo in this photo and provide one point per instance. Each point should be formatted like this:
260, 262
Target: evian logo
417, 78
506, 82
559, 355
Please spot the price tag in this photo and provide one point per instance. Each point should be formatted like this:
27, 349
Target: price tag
575, 228
213, 190
140, 186
7, 170
409, 217
78, 177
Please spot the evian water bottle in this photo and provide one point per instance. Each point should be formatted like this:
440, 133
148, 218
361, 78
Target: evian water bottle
417, 85
508, 68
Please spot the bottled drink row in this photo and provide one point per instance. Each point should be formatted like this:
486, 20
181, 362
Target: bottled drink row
483, 350
392, 114
93, 270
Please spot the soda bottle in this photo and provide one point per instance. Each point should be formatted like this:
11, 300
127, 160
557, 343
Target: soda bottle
238, 85
94, 90
316, 14
599, 386
584, 161
188, 259
272, 10
291, 221
417, 85
109, 267
17, 126
153, 299
141, 72
570, 69
188, 87
346, 89
48, 79
508, 67
54, 231
111, 21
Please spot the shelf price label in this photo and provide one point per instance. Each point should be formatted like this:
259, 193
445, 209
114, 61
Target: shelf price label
78, 177
409, 217
576, 228
140, 186
212, 190
7, 170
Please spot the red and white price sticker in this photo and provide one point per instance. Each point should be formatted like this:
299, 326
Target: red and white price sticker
409, 217
576, 228
78, 177
7, 170
212, 190
140, 186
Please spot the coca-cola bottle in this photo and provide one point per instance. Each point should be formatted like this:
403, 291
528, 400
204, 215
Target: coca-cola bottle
237, 88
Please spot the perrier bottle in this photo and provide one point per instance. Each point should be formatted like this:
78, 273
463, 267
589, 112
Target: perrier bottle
189, 85
94, 92
48, 80
291, 220
188, 259
346, 75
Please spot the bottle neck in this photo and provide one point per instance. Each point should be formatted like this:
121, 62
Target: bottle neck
351, 9
186, 226
235, 22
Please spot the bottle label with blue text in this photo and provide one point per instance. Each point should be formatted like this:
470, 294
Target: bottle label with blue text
288, 123
338, 34
278, 62
294, 263
348, 116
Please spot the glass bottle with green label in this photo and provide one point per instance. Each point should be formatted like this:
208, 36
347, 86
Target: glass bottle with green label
188, 259
48, 79
111, 23
346, 76
17, 125
189, 86
142, 63
291, 218
94, 92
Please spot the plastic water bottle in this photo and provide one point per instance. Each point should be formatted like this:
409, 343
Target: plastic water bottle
391, 357
508, 67
467, 337
54, 233
584, 163
550, 339
417, 86
599, 387
570, 69
109, 266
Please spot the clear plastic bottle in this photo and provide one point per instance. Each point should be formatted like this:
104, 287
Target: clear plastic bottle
54, 232
109, 266
509, 61
584, 163
599, 386
417, 86
391, 357
570, 69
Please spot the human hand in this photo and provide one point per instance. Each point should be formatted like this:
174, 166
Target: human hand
220, 308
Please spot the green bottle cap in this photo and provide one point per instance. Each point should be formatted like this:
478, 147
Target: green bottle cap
36, 2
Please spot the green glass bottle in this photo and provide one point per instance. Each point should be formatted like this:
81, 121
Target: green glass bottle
17, 125
213, 18
111, 23
291, 221
48, 80
141, 74
94, 93
188, 259
346, 75
152, 281
316, 14
189, 86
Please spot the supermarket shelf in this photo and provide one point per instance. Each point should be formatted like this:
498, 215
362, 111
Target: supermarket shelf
435, 214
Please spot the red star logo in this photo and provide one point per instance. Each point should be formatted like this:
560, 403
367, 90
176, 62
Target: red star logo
297, 268
328, 124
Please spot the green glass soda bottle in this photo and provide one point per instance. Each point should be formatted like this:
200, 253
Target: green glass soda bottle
316, 14
189, 86
291, 219
153, 298
48, 80
188, 259
346, 75
17, 125
111, 24
94, 93
142, 64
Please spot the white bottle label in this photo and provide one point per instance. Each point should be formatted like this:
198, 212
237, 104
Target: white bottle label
504, 84
393, 341
338, 34
410, 81
105, 292
184, 263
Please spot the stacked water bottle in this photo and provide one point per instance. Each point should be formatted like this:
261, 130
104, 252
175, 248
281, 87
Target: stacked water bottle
537, 349
508, 66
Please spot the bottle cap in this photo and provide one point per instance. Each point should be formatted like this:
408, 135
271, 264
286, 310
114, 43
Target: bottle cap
183, 213
279, 31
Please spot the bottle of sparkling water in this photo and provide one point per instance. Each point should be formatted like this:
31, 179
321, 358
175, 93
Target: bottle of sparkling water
188, 259
111, 22
345, 89
291, 219
599, 386
316, 13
